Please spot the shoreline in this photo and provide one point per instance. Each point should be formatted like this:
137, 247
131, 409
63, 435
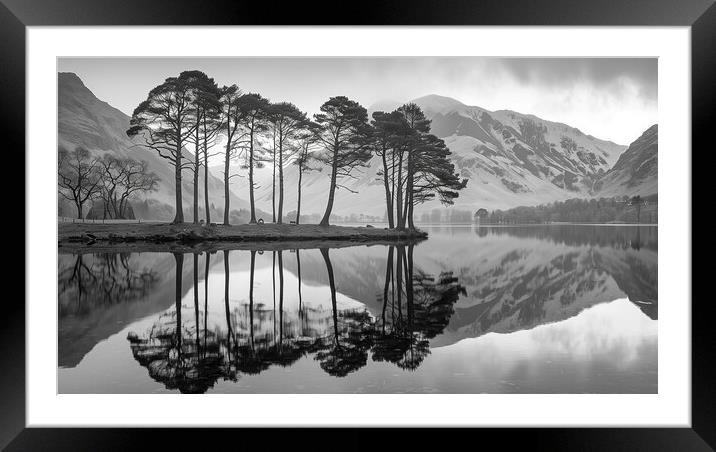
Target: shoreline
188, 237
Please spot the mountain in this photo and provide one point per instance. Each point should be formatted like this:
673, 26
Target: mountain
636, 171
84, 120
510, 159
515, 159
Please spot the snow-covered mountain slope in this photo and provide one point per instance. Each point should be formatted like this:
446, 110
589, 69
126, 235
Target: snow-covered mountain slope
515, 159
510, 159
84, 120
636, 171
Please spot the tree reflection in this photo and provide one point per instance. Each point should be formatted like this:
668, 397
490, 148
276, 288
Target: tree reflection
415, 308
404, 339
169, 359
347, 350
86, 282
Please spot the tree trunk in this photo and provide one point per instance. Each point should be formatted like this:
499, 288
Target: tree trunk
179, 216
399, 200
405, 209
331, 191
298, 203
408, 262
273, 181
408, 191
388, 274
273, 287
196, 179
251, 177
388, 195
179, 261
196, 299
280, 182
226, 300
206, 182
280, 297
298, 274
226, 183
206, 294
251, 298
332, 284
399, 281
411, 223
409, 196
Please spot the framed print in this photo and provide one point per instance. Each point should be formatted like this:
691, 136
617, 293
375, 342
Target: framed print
400, 216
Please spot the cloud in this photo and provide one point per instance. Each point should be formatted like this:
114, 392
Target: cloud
601, 73
610, 98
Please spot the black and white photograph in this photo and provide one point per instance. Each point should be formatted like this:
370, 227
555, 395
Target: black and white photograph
384, 215
387, 224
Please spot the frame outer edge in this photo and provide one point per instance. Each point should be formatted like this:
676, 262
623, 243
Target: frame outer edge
12, 319
703, 105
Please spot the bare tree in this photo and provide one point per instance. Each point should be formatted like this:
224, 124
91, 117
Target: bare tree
121, 179
78, 176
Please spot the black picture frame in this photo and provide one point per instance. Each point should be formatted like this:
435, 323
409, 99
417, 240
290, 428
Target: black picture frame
700, 15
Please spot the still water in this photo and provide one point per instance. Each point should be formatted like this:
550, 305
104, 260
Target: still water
543, 309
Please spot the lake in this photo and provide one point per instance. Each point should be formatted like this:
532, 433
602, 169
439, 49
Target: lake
534, 309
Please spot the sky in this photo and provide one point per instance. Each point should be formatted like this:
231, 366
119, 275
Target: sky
611, 98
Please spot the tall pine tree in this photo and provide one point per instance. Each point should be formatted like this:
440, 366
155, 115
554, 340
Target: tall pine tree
344, 134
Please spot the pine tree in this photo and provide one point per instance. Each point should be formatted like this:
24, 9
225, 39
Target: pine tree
255, 110
164, 123
231, 120
287, 121
344, 134
204, 114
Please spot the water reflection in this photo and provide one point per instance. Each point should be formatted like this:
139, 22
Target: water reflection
235, 318
100, 280
192, 355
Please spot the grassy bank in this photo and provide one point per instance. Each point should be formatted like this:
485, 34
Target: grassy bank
166, 237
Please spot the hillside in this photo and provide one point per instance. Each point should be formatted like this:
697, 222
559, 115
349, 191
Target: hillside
636, 171
84, 120
512, 158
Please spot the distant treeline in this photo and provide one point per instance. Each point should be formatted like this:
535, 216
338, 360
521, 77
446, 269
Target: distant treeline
621, 209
